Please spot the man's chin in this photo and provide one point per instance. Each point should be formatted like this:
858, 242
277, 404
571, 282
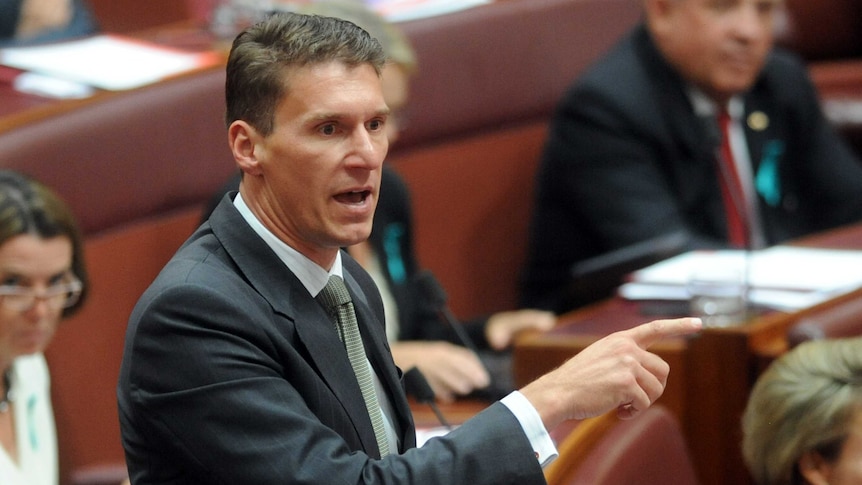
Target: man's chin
359, 235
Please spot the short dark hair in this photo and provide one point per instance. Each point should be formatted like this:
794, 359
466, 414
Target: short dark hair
29, 207
261, 55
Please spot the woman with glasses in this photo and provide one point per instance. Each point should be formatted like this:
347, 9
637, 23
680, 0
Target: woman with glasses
42, 280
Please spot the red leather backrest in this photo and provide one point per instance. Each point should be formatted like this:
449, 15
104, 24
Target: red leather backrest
505, 62
647, 450
823, 29
130, 156
837, 321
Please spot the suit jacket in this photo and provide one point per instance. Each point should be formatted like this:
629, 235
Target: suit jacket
232, 373
628, 160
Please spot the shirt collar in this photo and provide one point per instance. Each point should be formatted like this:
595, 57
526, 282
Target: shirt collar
312, 276
704, 106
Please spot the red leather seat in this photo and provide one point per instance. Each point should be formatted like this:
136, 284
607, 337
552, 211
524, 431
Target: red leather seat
647, 450
834, 322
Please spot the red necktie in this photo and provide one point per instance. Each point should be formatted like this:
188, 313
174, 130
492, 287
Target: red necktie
731, 188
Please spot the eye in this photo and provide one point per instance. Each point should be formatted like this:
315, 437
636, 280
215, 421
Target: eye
10, 280
328, 129
61, 278
375, 125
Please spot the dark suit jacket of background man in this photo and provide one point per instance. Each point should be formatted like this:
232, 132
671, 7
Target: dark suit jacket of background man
628, 160
236, 375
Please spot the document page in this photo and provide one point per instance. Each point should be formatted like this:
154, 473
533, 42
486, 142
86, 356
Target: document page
781, 277
108, 62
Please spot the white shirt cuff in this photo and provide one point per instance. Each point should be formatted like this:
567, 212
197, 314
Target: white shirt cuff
533, 427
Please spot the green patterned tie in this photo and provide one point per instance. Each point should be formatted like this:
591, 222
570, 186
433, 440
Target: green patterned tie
336, 299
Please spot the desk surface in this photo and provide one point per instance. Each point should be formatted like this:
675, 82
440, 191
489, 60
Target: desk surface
711, 373
17, 108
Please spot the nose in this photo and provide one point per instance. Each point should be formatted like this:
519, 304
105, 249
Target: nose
370, 147
40, 309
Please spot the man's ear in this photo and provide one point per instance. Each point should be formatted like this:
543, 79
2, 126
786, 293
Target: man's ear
246, 144
814, 468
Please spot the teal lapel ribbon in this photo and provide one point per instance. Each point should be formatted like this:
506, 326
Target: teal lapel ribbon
767, 181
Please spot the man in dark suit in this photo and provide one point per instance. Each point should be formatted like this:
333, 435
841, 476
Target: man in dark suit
634, 145
417, 335
234, 372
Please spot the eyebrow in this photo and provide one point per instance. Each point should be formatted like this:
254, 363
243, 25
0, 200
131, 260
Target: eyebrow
316, 118
6, 273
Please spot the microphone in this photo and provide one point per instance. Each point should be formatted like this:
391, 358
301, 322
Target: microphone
436, 298
417, 386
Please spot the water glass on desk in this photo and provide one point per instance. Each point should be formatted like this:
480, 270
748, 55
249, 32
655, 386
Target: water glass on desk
718, 296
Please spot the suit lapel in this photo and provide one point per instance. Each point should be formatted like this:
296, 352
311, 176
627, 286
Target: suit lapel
289, 298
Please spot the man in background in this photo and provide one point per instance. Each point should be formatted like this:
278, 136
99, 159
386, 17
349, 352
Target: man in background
26, 22
693, 125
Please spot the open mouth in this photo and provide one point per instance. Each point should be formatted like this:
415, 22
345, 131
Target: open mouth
353, 197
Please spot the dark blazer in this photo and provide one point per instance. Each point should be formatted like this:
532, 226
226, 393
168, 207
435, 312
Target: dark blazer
232, 373
627, 160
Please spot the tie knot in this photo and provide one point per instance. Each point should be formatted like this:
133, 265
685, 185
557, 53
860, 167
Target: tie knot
335, 293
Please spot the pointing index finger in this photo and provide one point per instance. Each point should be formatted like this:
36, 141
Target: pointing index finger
649, 333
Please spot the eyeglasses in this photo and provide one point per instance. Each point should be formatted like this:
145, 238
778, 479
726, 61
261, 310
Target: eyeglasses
56, 297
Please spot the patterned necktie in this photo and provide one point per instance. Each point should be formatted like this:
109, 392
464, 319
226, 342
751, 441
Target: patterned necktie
731, 188
336, 299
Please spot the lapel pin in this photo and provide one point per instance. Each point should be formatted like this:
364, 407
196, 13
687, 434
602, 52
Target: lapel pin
758, 121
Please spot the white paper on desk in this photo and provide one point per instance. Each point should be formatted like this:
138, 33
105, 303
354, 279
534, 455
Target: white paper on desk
781, 277
105, 61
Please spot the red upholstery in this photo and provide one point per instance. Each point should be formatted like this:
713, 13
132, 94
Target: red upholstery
824, 29
130, 155
834, 322
828, 34
131, 16
504, 63
647, 450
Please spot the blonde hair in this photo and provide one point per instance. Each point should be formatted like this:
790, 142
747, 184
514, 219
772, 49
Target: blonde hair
804, 402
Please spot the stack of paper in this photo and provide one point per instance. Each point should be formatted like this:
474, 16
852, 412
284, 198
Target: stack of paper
782, 277
106, 61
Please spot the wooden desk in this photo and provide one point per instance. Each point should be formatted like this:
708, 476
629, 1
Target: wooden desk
711, 373
17, 109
